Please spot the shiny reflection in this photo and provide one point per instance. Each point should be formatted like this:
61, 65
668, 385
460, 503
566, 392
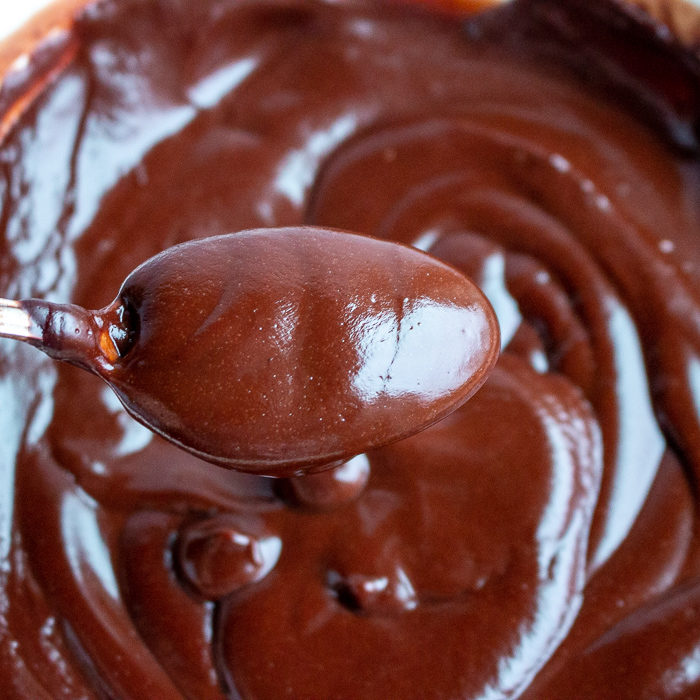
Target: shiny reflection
209, 90
296, 173
423, 351
217, 558
679, 680
13, 410
485, 263
553, 616
641, 443
493, 286
85, 548
135, 437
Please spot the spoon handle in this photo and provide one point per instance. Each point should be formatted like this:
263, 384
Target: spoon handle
17, 323
63, 331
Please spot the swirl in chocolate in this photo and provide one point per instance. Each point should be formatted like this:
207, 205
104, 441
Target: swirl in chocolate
541, 541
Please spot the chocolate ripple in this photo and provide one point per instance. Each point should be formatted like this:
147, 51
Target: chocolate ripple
450, 178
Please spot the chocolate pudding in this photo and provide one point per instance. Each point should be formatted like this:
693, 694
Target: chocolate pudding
539, 542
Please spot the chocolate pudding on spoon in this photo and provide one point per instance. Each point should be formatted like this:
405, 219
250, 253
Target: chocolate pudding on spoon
543, 532
279, 351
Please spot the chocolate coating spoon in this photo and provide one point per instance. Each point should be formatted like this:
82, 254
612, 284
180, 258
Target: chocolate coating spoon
279, 351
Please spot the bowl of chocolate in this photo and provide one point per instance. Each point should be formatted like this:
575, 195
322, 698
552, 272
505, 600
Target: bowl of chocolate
540, 541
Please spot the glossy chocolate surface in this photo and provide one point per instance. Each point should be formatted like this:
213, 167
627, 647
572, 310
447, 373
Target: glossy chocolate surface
540, 542
280, 351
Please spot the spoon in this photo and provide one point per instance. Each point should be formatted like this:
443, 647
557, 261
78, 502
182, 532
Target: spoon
279, 351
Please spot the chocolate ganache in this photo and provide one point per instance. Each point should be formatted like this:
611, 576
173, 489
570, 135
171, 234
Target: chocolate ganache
539, 542
279, 351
